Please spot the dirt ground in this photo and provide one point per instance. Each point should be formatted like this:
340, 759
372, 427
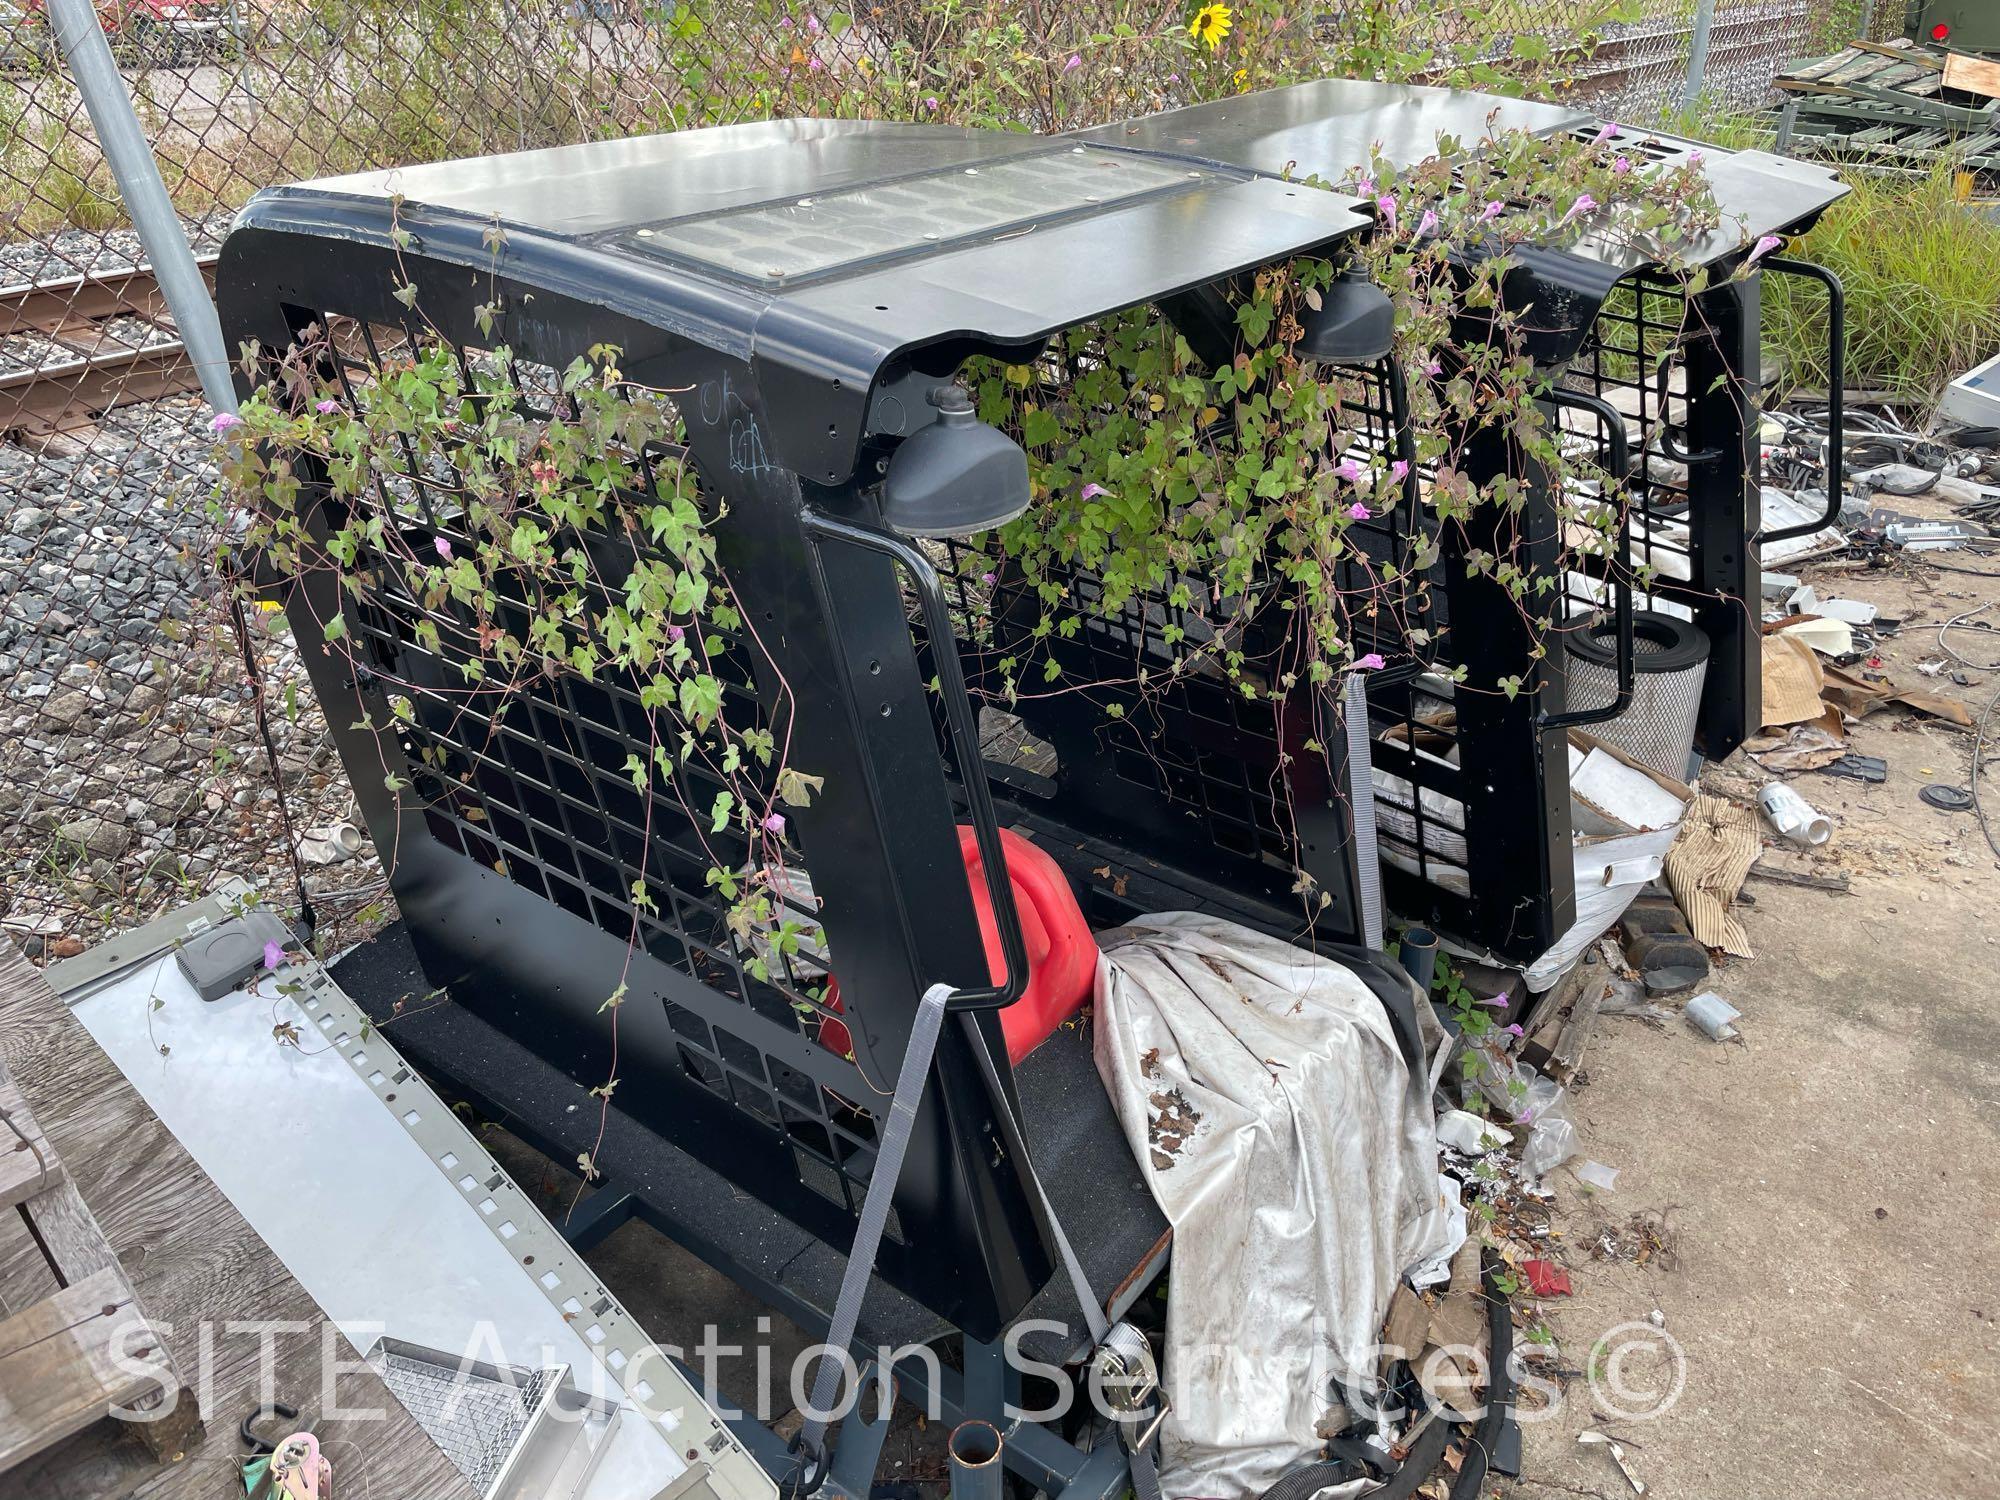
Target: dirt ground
1824, 1192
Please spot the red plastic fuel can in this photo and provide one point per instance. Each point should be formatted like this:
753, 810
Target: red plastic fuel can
1062, 955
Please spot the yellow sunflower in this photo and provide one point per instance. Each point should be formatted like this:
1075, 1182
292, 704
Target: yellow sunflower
1210, 24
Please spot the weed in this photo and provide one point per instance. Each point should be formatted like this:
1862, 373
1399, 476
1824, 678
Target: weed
1922, 273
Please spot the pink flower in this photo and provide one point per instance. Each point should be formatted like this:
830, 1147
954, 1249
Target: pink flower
1432, 367
1359, 512
1494, 1002
816, 65
1387, 203
222, 421
1348, 470
1610, 129
675, 634
1092, 491
1398, 471
930, 103
1622, 165
327, 407
1427, 225
1764, 247
775, 824
1696, 158
1491, 212
1365, 187
812, 24
1584, 204
274, 955
988, 577
444, 548
1073, 64
1372, 662
1514, 1030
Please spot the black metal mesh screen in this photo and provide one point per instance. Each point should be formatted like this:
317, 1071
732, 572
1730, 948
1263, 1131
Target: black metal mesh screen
552, 781
1143, 692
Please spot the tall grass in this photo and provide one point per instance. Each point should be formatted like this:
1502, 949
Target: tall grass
1922, 273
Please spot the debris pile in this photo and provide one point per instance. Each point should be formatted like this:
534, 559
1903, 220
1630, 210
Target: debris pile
1836, 677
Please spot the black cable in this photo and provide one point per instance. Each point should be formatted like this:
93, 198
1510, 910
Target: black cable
1948, 568
1418, 1464
1499, 1381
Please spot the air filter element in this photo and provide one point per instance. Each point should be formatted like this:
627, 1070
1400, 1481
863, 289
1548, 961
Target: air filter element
1669, 661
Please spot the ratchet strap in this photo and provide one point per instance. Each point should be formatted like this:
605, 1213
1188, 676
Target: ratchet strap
924, 1033
1145, 1475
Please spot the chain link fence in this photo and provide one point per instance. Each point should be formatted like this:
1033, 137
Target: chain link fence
133, 772
1640, 70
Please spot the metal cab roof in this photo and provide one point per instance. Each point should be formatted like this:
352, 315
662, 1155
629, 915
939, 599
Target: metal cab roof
1331, 126
1331, 129
824, 251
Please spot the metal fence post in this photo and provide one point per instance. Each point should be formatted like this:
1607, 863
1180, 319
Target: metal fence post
83, 44
1697, 77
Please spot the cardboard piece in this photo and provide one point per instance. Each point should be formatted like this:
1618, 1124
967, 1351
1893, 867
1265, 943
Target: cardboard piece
1792, 681
1407, 1329
1859, 697
1719, 842
1805, 747
1625, 815
1457, 1322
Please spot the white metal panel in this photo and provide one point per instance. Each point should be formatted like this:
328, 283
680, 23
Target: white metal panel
386, 1208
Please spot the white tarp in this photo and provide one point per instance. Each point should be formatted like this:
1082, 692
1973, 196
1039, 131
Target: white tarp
1296, 1158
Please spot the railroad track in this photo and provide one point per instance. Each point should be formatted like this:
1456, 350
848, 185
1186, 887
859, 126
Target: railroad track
89, 366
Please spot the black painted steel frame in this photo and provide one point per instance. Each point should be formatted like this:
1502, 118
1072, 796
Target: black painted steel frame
1193, 773
1685, 370
710, 1067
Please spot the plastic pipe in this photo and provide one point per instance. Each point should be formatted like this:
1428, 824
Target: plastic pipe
974, 1453
1419, 954
83, 44
1793, 816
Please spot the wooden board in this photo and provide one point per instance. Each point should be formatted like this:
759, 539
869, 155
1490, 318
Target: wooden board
1976, 75
201, 1274
69, 1360
27, 1164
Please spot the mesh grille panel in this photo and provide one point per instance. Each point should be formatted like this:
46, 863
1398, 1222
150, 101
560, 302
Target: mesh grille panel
1631, 361
1213, 755
475, 1419
532, 778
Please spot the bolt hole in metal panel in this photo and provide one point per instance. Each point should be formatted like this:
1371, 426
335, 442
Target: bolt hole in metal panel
400, 1225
